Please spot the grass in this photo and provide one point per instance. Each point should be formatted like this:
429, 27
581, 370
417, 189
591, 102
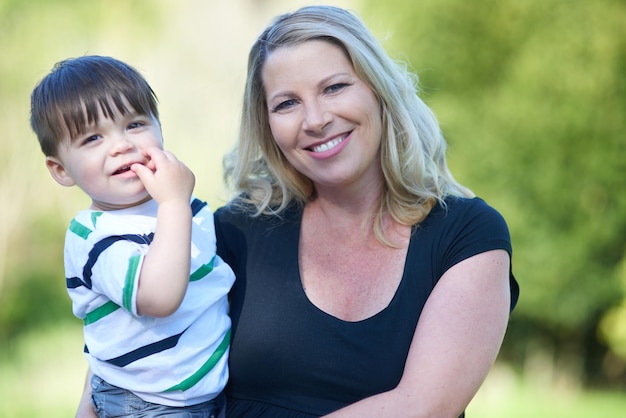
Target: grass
505, 395
42, 375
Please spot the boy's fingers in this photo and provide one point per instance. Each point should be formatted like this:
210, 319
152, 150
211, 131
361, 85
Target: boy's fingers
140, 170
158, 155
169, 155
154, 153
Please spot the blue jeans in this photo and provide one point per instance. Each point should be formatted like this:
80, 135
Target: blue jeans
111, 401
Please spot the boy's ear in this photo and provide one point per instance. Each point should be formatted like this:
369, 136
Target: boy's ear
58, 172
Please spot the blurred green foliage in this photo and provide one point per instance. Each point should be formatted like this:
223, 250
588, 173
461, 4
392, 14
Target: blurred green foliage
532, 98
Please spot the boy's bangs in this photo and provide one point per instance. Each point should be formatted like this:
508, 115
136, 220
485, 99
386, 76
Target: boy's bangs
79, 115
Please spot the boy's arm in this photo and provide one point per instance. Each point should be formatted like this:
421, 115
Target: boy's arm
165, 271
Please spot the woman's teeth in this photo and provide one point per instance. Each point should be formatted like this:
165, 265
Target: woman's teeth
328, 145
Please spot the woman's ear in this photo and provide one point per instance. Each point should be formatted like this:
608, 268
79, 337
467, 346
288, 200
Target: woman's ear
58, 172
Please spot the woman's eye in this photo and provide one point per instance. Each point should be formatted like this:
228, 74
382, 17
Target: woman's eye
284, 105
335, 88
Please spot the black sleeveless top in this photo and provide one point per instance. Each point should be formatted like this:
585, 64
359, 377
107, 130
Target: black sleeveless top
290, 359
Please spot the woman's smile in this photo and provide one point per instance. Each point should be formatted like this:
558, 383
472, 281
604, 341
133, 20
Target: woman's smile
323, 150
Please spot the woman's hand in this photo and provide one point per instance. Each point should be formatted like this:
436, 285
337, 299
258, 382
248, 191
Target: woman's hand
85, 407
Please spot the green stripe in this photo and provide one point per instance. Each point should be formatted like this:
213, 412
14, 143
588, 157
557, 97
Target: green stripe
206, 367
79, 229
202, 271
100, 312
129, 284
94, 217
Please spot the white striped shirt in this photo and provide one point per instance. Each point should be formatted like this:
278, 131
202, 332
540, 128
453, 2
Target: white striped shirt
178, 360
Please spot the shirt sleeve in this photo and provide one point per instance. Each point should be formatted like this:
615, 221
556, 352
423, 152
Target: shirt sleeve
107, 265
116, 271
472, 227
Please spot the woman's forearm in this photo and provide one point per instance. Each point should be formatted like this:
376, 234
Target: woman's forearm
85, 407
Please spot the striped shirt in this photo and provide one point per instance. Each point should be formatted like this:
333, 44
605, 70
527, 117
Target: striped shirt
178, 360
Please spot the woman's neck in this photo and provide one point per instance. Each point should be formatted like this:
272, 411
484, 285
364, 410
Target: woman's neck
347, 206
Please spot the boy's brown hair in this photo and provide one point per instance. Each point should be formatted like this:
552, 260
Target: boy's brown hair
69, 98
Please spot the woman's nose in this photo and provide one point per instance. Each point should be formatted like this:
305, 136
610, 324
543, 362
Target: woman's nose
316, 117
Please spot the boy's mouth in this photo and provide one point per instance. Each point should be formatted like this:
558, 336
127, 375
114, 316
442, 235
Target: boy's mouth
121, 170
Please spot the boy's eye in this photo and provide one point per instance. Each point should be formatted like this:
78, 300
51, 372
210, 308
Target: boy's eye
134, 125
91, 138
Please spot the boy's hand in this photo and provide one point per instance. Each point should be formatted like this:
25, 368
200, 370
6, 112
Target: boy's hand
164, 273
165, 177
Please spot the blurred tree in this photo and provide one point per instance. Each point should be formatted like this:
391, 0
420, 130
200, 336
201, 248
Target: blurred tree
532, 98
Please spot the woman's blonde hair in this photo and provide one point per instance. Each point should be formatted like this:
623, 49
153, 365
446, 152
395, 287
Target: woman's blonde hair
413, 149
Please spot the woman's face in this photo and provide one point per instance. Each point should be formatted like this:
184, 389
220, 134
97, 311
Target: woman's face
326, 121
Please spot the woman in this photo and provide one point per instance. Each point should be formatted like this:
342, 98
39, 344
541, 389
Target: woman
368, 281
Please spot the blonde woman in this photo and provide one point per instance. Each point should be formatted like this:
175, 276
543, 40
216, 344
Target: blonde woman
369, 282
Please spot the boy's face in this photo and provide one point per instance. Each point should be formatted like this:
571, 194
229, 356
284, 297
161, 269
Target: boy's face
98, 161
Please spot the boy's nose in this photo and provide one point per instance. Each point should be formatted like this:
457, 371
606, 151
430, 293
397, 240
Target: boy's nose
121, 144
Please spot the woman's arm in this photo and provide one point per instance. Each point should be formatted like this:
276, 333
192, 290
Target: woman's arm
456, 341
85, 407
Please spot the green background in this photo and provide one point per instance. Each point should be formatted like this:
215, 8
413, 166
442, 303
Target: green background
530, 94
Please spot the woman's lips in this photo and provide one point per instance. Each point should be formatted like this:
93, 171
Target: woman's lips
326, 146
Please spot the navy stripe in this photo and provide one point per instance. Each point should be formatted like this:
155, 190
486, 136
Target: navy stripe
73, 282
196, 206
102, 245
144, 351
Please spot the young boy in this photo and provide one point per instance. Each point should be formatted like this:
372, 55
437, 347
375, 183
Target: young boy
141, 263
